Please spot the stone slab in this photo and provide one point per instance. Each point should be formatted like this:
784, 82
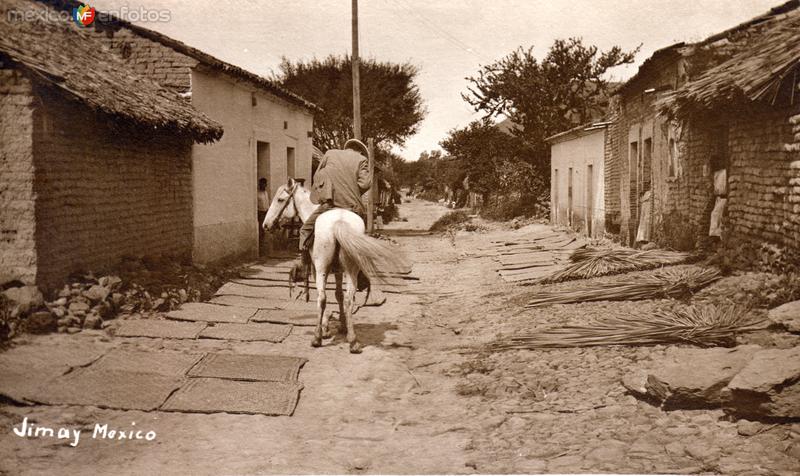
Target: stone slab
205, 312
244, 301
108, 389
787, 315
768, 386
160, 329
163, 363
213, 395
262, 292
268, 368
690, 377
23, 369
248, 332
283, 316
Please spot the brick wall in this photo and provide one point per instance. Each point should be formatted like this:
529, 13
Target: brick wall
106, 192
151, 59
17, 245
764, 177
612, 167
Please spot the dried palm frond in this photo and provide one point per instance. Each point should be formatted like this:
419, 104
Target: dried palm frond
663, 283
703, 325
594, 262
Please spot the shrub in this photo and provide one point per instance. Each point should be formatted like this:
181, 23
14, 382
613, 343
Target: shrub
449, 220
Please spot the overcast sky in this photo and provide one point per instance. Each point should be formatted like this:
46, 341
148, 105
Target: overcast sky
447, 40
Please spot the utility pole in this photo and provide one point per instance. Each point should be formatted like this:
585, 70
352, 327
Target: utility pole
356, 76
357, 121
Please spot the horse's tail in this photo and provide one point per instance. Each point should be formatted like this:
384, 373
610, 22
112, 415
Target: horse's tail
375, 258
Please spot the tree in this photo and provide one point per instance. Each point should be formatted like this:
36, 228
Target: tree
391, 104
567, 88
490, 158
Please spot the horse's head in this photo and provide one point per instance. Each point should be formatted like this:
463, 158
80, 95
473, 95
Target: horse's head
282, 205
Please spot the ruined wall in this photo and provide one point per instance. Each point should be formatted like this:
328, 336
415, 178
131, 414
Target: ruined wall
657, 162
611, 168
105, 192
17, 200
764, 177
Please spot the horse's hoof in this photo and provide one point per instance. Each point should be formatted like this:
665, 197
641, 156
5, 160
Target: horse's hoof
316, 343
356, 348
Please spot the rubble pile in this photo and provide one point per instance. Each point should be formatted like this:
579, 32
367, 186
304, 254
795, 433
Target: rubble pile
138, 286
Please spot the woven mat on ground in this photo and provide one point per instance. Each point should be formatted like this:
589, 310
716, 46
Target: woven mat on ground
268, 368
108, 389
213, 395
248, 332
164, 363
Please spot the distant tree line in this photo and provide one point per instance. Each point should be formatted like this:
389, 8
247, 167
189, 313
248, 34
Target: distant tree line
510, 168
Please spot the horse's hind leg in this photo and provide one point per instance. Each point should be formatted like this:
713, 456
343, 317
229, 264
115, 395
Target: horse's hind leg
352, 276
340, 299
322, 279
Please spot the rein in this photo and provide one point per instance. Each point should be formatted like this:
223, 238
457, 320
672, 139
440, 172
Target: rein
286, 203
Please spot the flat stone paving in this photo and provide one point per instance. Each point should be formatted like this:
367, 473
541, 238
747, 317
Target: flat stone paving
108, 375
158, 328
205, 312
248, 332
268, 368
108, 389
213, 395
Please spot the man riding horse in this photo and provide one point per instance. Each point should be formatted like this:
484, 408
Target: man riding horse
341, 179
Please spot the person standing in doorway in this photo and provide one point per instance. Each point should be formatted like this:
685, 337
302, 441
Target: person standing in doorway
263, 206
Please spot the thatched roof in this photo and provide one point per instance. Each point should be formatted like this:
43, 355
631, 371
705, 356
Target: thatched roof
112, 22
55, 53
761, 62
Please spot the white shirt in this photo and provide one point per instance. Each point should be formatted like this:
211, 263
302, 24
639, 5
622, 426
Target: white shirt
263, 200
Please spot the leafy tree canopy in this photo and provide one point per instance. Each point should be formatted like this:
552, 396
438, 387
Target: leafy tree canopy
566, 88
391, 104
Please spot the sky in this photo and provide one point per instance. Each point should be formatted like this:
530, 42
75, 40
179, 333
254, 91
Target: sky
447, 40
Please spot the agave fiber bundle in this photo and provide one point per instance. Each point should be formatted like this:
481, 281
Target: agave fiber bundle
594, 262
702, 325
663, 283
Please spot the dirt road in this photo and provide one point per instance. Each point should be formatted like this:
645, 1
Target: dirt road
421, 398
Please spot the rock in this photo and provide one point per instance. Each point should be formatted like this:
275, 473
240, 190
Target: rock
768, 386
360, 463
636, 381
681, 430
41, 322
702, 452
104, 309
59, 312
60, 302
748, 428
693, 378
63, 322
649, 246
93, 321
65, 292
183, 295
78, 308
25, 297
787, 315
73, 330
117, 299
96, 293
675, 448
608, 451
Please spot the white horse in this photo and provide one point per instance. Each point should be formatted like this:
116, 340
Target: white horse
340, 246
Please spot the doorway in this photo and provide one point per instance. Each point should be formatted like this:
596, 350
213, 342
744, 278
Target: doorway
262, 172
589, 199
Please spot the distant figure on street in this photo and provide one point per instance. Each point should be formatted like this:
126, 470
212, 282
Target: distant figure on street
342, 177
263, 206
